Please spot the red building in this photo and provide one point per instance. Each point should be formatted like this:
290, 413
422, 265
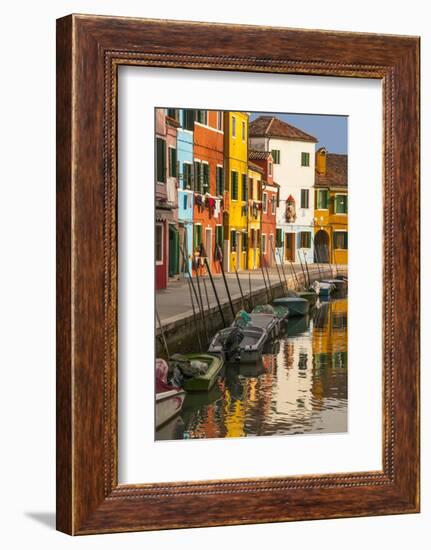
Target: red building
166, 202
270, 193
208, 186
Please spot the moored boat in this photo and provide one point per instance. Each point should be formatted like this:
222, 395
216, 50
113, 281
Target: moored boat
169, 398
282, 313
295, 305
309, 295
200, 370
239, 345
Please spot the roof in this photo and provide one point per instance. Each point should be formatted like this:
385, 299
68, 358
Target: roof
336, 172
270, 126
255, 167
258, 155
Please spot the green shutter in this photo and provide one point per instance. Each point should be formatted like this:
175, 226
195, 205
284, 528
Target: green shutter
234, 185
161, 160
205, 178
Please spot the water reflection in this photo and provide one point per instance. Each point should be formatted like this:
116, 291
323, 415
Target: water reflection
299, 386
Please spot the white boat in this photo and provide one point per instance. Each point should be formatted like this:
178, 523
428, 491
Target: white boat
169, 398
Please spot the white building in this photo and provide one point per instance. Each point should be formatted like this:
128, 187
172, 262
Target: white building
293, 152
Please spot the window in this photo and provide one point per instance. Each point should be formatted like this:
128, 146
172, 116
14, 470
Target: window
305, 198
243, 130
273, 205
233, 240
161, 160
189, 119
304, 239
340, 204
220, 120
276, 156
263, 244
234, 185
322, 199
173, 113
172, 162
185, 202
233, 126
270, 168
243, 187
197, 177
219, 235
187, 175
305, 159
159, 243
244, 242
278, 238
205, 178
202, 117
197, 236
219, 180
265, 202
340, 240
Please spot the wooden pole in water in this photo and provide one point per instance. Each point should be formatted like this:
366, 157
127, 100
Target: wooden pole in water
240, 288
304, 280
330, 264
278, 271
294, 275
162, 332
264, 281
269, 280
201, 305
335, 262
250, 297
194, 313
306, 267
282, 268
215, 292
220, 259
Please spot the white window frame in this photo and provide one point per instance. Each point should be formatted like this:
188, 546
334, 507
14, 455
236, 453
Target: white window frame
340, 213
263, 241
162, 226
333, 239
265, 202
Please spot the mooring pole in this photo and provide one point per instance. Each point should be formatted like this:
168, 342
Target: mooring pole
308, 273
282, 268
201, 305
269, 280
304, 281
294, 275
215, 292
250, 298
220, 259
240, 288
264, 281
162, 332
278, 271
194, 312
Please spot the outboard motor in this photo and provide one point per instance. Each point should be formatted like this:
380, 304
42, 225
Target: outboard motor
231, 341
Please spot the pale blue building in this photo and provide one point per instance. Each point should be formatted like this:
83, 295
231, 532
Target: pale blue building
185, 180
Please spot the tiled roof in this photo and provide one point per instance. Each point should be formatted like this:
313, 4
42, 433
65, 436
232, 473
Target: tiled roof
255, 167
336, 172
258, 155
270, 126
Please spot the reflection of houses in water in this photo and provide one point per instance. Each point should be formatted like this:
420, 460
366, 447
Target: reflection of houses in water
292, 393
330, 350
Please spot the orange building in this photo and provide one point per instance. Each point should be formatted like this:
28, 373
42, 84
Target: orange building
270, 193
208, 186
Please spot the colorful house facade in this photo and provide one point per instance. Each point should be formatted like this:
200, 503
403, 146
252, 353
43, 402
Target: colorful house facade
293, 153
331, 208
165, 195
236, 167
254, 215
270, 190
185, 118
208, 153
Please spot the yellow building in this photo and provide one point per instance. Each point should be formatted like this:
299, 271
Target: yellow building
236, 170
254, 214
331, 208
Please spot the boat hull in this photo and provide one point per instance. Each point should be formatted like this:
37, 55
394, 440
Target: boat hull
205, 381
168, 404
296, 306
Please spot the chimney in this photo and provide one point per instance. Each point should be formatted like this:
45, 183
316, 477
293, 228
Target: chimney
321, 161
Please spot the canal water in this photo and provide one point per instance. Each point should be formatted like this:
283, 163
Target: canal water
299, 386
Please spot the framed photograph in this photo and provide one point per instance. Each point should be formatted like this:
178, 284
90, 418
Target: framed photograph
237, 274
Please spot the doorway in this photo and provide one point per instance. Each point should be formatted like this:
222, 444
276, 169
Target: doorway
289, 247
321, 247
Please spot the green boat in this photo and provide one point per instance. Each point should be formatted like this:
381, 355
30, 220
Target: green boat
200, 382
309, 295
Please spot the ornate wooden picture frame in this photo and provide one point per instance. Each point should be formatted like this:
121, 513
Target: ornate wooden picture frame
89, 51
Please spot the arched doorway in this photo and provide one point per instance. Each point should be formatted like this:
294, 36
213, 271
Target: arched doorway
321, 247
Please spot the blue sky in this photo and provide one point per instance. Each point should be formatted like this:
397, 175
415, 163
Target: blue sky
330, 130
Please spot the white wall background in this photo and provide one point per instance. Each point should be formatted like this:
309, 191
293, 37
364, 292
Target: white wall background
27, 280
